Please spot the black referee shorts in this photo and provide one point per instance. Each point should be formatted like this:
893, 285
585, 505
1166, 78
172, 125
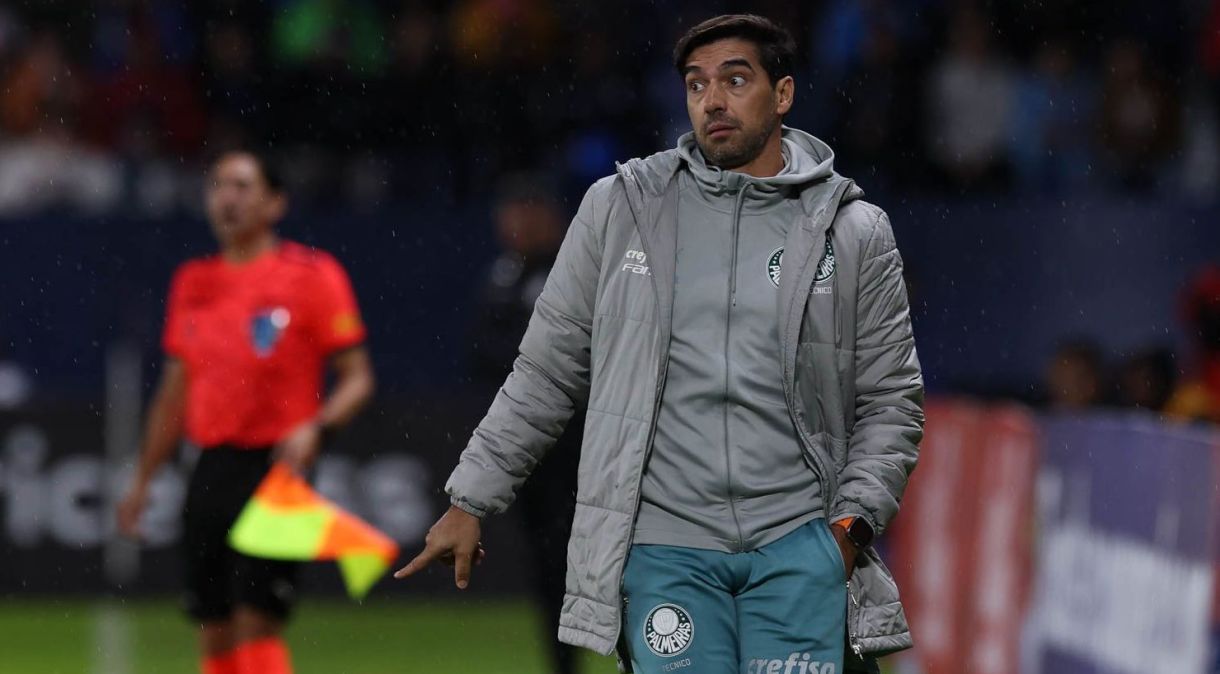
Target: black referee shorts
217, 577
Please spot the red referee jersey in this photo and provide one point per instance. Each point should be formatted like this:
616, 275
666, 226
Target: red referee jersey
254, 339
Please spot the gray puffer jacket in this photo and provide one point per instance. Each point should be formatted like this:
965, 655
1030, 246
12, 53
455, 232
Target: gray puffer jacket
600, 333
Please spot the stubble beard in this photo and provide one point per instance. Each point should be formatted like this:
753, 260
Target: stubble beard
731, 155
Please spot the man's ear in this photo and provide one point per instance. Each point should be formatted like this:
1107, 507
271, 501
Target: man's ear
785, 89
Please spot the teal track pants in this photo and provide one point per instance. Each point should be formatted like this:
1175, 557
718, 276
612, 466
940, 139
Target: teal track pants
780, 609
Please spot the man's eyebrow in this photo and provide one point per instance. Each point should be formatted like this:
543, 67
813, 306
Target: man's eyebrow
736, 62
731, 63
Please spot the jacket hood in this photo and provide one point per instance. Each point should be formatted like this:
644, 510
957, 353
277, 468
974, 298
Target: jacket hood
808, 161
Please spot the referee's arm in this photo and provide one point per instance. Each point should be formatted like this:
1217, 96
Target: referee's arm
162, 431
353, 387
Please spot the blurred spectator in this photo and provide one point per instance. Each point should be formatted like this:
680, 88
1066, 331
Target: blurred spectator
15, 385
1139, 117
1146, 380
503, 34
969, 93
1209, 41
41, 165
442, 97
1200, 166
143, 101
329, 35
46, 171
1197, 398
1052, 110
40, 93
1074, 376
606, 107
233, 84
874, 116
530, 228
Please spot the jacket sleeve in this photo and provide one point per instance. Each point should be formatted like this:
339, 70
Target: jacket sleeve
884, 442
550, 379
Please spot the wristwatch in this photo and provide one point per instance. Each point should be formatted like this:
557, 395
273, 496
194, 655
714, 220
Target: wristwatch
858, 531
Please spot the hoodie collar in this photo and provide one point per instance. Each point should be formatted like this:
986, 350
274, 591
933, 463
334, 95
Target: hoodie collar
806, 160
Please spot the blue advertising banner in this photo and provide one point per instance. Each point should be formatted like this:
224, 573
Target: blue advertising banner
1124, 569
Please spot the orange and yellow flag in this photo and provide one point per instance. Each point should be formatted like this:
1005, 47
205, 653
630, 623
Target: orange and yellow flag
287, 520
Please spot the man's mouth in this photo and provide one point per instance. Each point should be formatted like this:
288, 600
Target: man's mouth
719, 129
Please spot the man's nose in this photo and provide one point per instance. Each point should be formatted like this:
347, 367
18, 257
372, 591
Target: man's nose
713, 99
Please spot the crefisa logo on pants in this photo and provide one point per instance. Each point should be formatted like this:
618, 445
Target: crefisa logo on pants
797, 663
668, 630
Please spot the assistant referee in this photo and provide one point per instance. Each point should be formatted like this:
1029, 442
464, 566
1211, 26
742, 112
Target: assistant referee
249, 334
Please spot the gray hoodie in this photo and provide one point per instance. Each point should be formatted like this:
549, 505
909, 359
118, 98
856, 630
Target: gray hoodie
727, 471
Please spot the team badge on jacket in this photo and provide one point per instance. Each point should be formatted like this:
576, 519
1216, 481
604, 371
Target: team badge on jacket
774, 264
826, 267
668, 630
266, 328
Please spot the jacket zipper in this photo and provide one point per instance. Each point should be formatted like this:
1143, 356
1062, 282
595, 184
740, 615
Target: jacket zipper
851, 634
728, 331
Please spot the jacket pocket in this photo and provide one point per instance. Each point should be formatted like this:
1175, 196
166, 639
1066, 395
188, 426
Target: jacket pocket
876, 622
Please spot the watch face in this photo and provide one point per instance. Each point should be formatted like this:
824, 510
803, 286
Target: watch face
860, 533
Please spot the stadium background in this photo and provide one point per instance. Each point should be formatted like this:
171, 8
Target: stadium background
1051, 169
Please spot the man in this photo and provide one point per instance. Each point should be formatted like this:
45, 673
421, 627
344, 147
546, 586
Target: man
248, 336
529, 227
1075, 375
735, 317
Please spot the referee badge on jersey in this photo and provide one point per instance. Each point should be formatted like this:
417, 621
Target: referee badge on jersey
266, 328
668, 630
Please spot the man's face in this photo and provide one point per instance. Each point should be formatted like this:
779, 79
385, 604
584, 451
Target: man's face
733, 106
240, 204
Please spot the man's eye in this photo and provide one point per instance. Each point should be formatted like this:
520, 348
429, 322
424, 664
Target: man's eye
737, 80
694, 86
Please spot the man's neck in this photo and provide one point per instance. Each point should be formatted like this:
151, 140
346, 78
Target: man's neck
242, 251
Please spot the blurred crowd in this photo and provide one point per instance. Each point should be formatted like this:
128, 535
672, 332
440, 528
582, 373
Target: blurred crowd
112, 104
1180, 386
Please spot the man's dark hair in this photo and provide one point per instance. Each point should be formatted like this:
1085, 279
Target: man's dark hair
266, 166
776, 48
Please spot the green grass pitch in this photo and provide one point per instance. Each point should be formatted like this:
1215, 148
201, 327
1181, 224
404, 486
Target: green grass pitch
84, 636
